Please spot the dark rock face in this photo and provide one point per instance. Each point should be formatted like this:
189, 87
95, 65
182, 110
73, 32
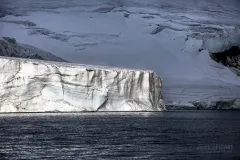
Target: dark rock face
10, 40
219, 105
230, 57
214, 105
9, 47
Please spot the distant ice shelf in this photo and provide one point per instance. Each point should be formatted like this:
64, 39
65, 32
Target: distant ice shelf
41, 86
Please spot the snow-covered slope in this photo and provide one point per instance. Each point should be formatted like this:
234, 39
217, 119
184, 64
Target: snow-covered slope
42, 86
174, 38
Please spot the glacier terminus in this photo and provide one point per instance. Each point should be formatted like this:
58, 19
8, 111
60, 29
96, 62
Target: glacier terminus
42, 86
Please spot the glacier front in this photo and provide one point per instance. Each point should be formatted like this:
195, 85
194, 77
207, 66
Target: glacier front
41, 86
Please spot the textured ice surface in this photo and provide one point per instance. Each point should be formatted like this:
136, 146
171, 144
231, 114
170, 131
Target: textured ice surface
41, 86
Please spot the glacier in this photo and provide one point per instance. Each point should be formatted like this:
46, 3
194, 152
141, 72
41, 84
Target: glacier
43, 86
175, 38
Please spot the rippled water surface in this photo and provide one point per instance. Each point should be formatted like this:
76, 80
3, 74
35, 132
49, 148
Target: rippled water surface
145, 135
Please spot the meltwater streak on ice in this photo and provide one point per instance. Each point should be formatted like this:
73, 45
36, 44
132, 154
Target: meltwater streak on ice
170, 135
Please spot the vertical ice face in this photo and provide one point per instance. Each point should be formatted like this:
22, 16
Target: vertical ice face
40, 86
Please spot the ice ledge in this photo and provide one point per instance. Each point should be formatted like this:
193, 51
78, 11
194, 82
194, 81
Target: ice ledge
42, 86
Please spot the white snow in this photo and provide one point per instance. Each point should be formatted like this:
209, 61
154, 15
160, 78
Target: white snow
98, 33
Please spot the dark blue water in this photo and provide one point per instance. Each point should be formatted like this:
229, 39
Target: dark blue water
145, 135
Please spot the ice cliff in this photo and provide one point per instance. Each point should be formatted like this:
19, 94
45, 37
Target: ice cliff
41, 86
